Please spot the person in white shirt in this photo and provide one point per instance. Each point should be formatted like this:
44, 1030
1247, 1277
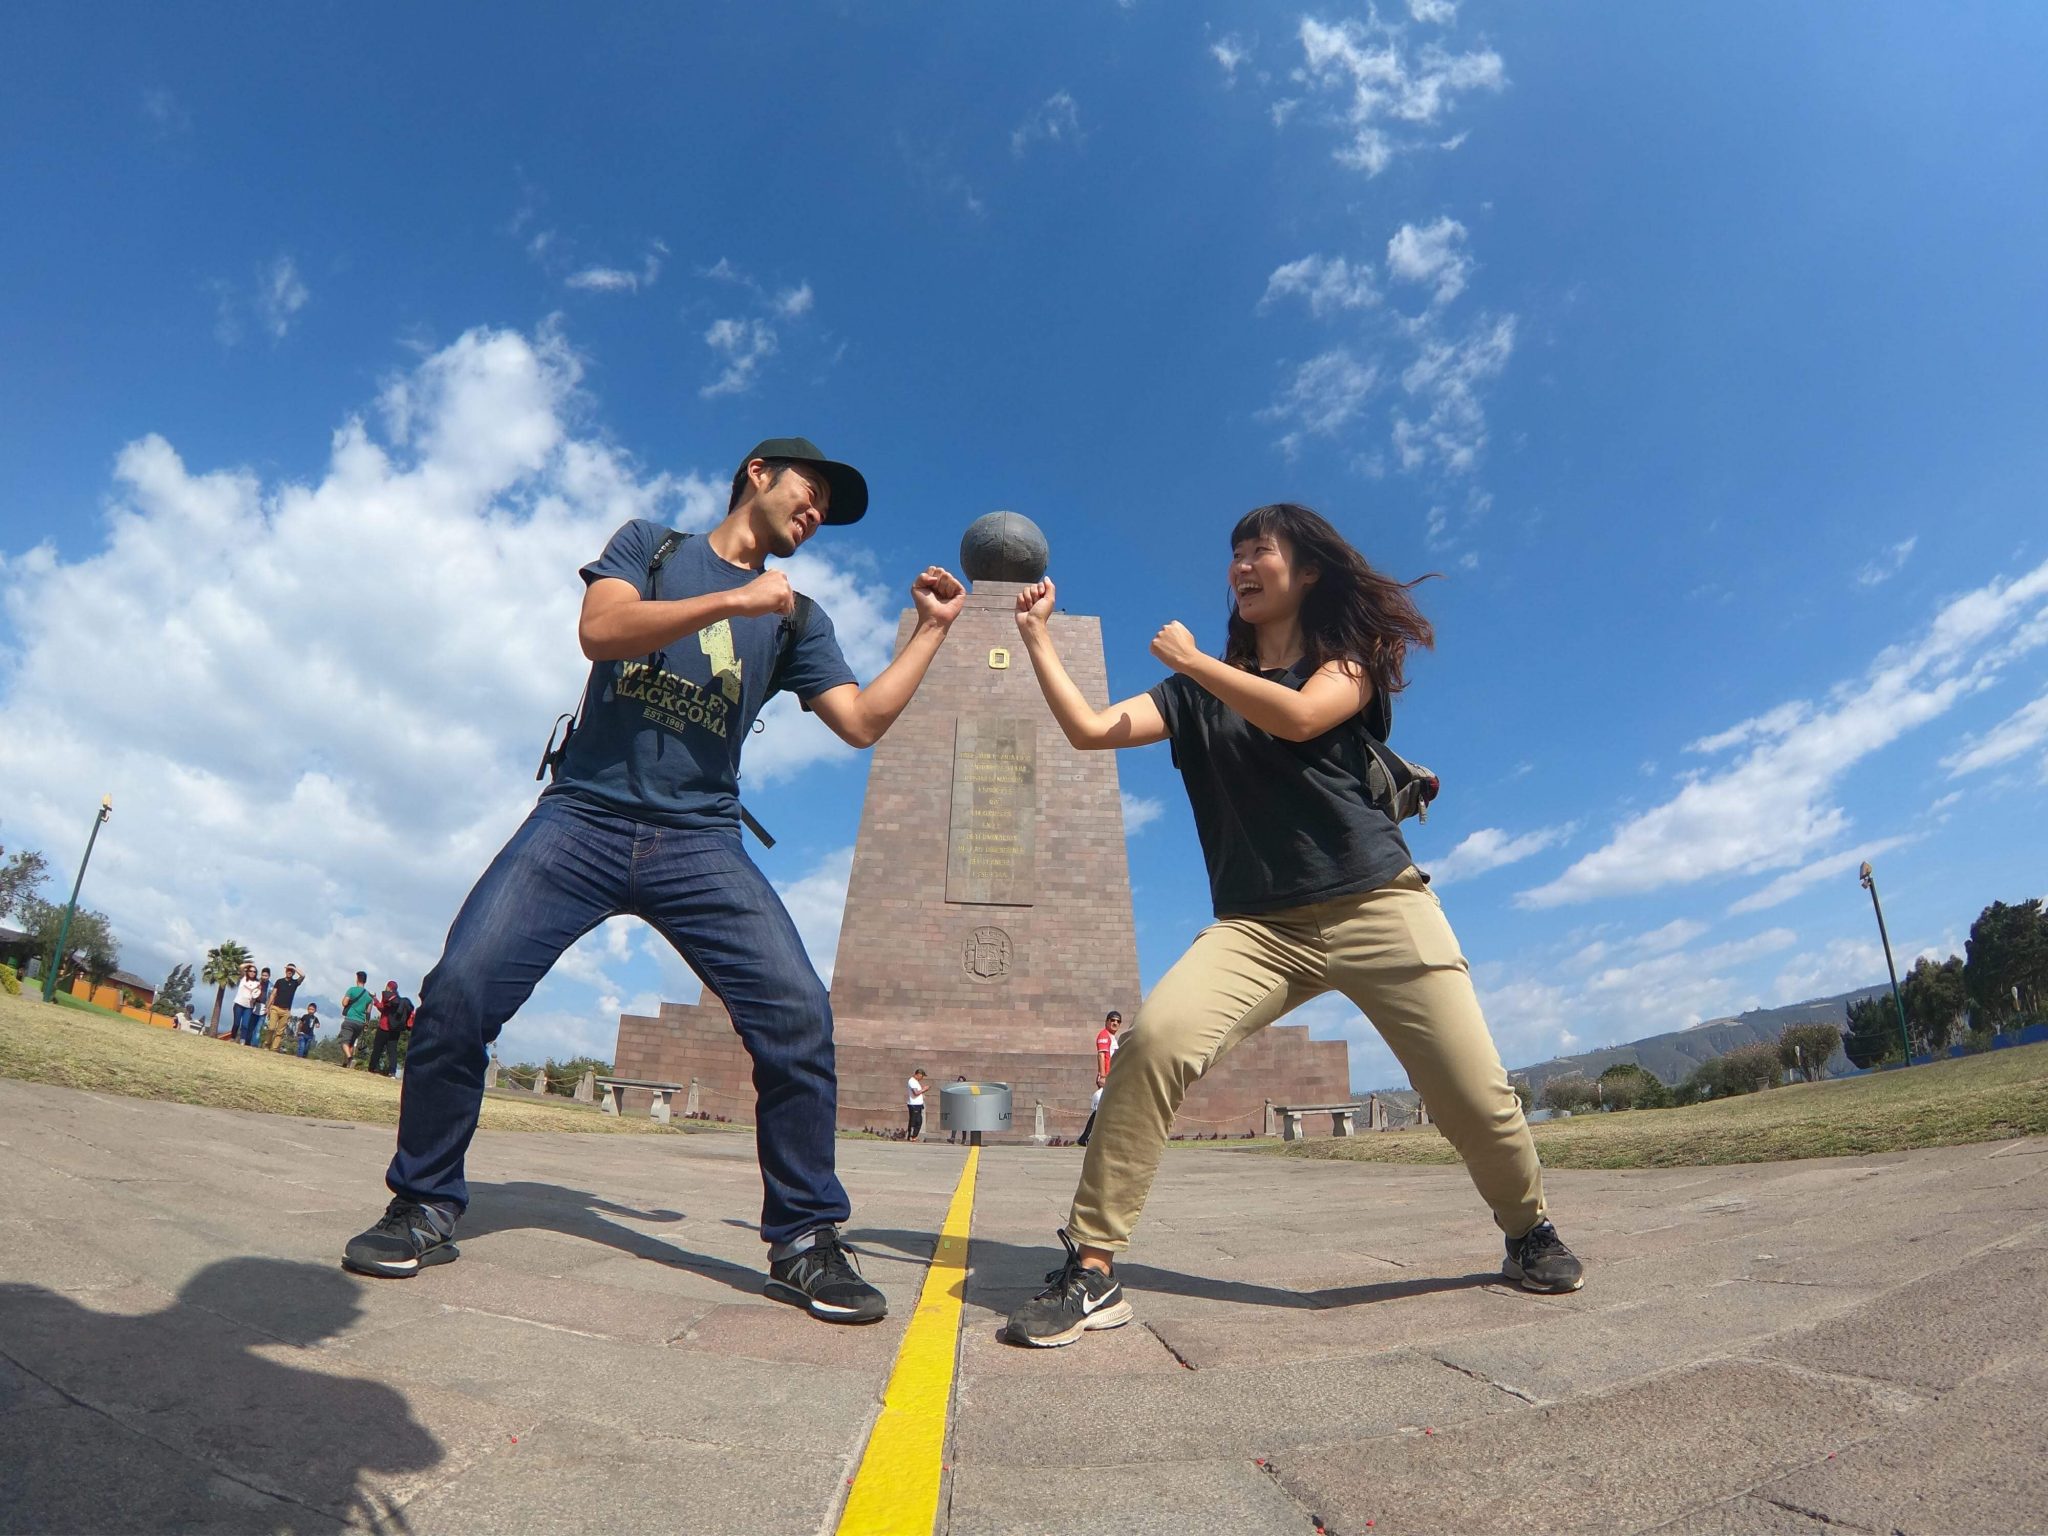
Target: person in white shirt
186, 1020
914, 1088
1094, 1104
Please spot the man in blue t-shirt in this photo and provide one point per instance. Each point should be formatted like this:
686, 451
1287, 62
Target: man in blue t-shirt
643, 818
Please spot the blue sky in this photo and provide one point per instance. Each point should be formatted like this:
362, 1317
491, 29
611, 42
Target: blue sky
1701, 349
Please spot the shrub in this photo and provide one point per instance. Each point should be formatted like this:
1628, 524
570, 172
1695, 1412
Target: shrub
1978, 1040
1750, 1067
9, 982
1570, 1092
1625, 1085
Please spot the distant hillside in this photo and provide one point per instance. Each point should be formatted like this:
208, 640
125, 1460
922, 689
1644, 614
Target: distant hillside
1673, 1056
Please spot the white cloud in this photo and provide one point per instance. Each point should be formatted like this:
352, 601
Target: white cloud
1140, 811
317, 736
1325, 393
743, 343
1438, 13
165, 114
817, 902
1775, 806
1445, 381
1056, 120
1489, 849
2014, 736
1888, 564
273, 300
1786, 886
620, 279
1432, 256
1765, 727
1388, 84
1229, 52
792, 303
1840, 965
1329, 284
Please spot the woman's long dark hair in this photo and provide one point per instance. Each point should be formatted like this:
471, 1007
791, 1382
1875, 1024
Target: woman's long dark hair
1352, 612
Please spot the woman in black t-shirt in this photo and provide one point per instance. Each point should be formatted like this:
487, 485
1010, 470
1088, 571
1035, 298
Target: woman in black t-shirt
1313, 887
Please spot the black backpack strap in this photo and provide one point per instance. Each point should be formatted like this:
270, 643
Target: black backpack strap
787, 636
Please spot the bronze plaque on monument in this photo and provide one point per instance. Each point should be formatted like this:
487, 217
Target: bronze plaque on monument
991, 844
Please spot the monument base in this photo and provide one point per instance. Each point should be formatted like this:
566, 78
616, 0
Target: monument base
688, 1042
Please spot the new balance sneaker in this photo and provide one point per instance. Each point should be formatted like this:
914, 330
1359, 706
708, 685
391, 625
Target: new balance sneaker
408, 1238
1541, 1262
1075, 1300
824, 1280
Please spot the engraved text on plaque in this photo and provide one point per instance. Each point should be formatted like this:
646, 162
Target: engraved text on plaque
992, 842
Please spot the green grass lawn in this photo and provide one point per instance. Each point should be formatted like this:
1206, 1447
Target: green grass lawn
33, 989
80, 1046
1992, 1097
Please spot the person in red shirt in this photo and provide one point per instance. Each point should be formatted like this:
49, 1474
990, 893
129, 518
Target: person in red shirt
1106, 1041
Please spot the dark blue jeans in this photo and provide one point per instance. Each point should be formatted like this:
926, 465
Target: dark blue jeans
567, 869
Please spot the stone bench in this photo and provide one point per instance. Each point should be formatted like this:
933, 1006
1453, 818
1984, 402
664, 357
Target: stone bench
1341, 1123
613, 1100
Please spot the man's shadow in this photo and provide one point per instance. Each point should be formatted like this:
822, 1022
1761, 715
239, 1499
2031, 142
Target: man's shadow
1002, 1274
524, 1205
171, 1421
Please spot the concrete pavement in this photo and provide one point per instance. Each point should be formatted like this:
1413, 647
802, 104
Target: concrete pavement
1843, 1345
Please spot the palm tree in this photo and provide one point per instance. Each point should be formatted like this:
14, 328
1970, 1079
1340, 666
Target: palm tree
224, 964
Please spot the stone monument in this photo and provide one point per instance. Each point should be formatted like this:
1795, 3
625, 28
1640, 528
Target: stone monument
988, 923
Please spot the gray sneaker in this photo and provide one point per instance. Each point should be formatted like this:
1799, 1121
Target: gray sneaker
1541, 1262
408, 1238
1075, 1300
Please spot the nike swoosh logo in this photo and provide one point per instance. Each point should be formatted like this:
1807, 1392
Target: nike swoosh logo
1090, 1303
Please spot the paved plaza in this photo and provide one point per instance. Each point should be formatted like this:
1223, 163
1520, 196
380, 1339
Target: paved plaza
1849, 1345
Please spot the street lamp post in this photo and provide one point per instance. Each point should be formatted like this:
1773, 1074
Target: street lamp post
64, 928
1869, 883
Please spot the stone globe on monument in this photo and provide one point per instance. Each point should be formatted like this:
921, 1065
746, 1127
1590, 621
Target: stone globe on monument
988, 924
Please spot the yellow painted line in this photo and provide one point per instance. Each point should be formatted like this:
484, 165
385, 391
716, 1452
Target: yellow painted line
896, 1490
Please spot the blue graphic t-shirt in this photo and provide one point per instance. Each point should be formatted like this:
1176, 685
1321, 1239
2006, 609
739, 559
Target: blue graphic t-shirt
660, 740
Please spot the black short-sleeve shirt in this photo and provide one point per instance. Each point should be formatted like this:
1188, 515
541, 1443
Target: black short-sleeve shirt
1283, 823
660, 739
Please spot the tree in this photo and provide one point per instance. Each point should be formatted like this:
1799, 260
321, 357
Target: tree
563, 1076
2008, 953
1627, 1085
92, 948
1872, 1037
1934, 997
176, 991
1572, 1091
1806, 1049
224, 964
20, 876
1748, 1068
102, 955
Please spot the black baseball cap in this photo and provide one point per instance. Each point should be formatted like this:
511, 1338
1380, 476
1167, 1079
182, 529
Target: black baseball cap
849, 486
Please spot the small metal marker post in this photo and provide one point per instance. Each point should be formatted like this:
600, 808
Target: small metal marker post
1869, 883
64, 928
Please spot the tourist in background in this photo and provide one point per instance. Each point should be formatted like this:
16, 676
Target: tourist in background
1106, 1041
308, 1027
394, 1017
283, 1022
1094, 1108
355, 1016
245, 997
186, 1021
915, 1104
1313, 887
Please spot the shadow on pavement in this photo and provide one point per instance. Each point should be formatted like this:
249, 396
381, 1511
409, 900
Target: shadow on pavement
998, 1269
171, 1421
522, 1205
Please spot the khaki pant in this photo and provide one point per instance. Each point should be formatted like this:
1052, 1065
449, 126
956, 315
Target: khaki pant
281, 1036
1392, 952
